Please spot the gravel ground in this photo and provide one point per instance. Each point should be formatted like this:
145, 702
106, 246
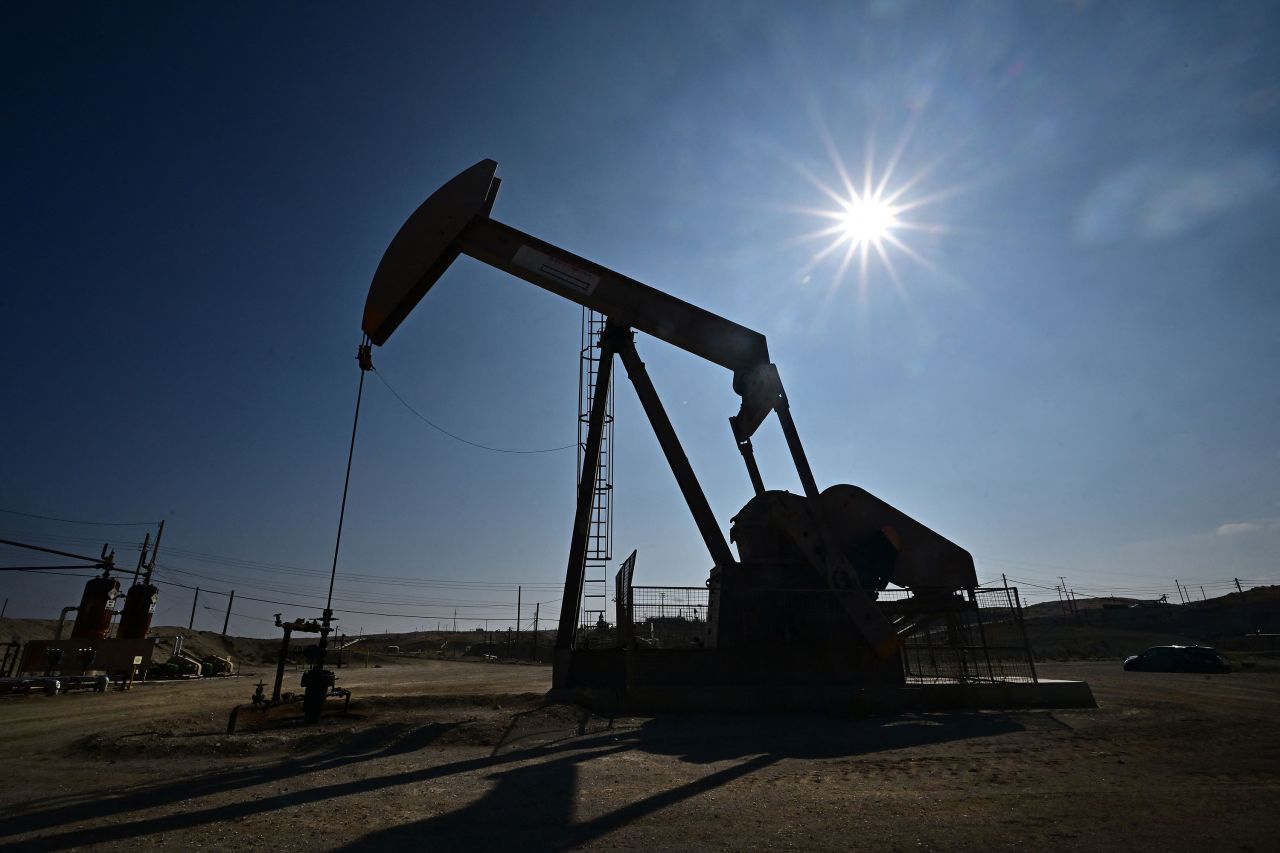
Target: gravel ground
461, 756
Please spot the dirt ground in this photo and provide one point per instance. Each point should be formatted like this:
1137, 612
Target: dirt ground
438, 755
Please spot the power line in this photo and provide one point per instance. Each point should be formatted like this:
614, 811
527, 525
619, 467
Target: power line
449, 602
76, 521
54, 571
336, 609
305, 606
468, 442
1026, 582
287, 569
393, 580
447, 607
238, 614
64, 539
45, 568
1154, 587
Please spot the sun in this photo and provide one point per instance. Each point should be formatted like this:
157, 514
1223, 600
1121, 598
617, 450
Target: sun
867, 220
875, 217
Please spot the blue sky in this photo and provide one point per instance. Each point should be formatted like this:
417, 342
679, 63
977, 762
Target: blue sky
1079, 380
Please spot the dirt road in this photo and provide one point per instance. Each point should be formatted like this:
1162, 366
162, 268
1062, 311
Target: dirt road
1167, 763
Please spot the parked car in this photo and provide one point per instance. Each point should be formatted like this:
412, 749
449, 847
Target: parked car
1178, 659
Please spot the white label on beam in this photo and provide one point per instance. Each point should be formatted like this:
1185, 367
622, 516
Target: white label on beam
567, 274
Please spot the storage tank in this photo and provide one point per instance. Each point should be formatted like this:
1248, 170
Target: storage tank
139, 607
97, 606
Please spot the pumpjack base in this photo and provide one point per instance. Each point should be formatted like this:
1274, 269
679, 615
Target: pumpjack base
616, 681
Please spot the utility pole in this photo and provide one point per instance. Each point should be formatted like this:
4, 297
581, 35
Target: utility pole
1203, 597
1062, 603
1179, 586
227, 618
518, 591
455, 620
536, 608
1239, 589
194, 599
6, 604
155, 550
142, 556
1004, 580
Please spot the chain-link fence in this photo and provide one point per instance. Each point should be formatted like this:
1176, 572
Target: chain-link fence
952, 636
668, 617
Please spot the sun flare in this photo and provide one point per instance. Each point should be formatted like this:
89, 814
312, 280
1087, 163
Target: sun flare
875, 216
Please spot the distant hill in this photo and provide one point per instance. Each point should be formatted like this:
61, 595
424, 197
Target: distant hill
1116, 627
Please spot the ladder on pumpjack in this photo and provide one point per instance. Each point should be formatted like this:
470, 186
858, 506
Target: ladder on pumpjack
599, 551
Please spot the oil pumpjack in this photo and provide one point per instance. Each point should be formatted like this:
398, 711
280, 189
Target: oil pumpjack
794, 615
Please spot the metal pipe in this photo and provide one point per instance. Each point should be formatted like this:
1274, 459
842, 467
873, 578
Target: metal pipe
284, 652
41, 568
95, 560
62, 618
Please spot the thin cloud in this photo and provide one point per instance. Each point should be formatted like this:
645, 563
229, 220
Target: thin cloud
1237, 528
1162, 197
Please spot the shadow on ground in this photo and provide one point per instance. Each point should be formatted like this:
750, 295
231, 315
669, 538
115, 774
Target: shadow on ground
536, 799
534, 786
